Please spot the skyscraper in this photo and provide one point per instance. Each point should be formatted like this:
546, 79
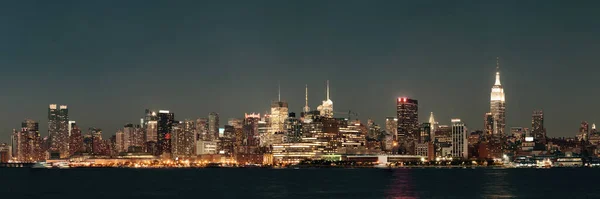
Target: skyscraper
584, 130
488, 124
326, 109
407, 112
279, 112
213, 126
537, 126
165, 125
459, 139
58, 130
425, 135
27, 143
497, 104
75, 141
183, 139
391, 126
434, 124
151, 131
202, 129
72, 124
293, 128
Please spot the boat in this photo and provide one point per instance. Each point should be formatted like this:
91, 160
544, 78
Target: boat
41, 165
62, 165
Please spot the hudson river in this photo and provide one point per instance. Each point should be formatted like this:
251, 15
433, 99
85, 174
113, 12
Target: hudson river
300, 183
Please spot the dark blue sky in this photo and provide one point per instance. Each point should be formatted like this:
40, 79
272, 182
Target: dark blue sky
109, 60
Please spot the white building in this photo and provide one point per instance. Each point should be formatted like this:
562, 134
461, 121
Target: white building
204, 147
459, 139
326, 109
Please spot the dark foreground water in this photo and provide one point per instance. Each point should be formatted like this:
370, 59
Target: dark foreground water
301, 183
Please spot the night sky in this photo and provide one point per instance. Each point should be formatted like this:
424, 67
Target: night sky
109, 60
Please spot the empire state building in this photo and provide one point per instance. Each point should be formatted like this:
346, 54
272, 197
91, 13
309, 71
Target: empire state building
498, 104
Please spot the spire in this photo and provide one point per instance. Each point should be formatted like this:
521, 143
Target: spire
497, 72
279, 91
306, 108
327, 89
431, 119
306, 96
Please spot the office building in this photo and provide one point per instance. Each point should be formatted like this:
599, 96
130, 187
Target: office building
58, 129
165, 124
293, 128
584, 130
407, 112
151, 131
391, 126
459, 139
498, 105
71, 125
213, 126
488, 124
75, 141
425, 134
279, 112
183, 139
250, 129
537, 126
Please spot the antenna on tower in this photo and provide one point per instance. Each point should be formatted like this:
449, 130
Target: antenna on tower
328, 89
497, 64
306, 96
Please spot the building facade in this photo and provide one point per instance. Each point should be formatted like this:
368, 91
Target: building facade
460, 143
58, 129
498, 105
407, 112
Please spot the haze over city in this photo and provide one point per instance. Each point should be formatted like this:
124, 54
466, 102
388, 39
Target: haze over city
110, 60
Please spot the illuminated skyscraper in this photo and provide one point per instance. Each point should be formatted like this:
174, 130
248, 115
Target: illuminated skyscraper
459, 139
213, 126
148, 116
488, 124
75, 141
434, 124
497, 104
183, 139
425, 135
391, 126
151, 131
293, 128
165, 124
27, 142
279, 112
584, 130
537, 126
58, 129
407, 112
250, 129
71, 125
326, 109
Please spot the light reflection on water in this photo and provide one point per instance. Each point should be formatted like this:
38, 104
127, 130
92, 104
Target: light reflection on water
449, 183
496, 185
401, 185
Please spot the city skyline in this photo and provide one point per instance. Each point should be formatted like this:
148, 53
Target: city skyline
110, 66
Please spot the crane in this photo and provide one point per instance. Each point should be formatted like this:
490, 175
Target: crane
349, 113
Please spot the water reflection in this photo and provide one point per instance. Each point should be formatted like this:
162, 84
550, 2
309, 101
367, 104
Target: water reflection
496, 184
401, 185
